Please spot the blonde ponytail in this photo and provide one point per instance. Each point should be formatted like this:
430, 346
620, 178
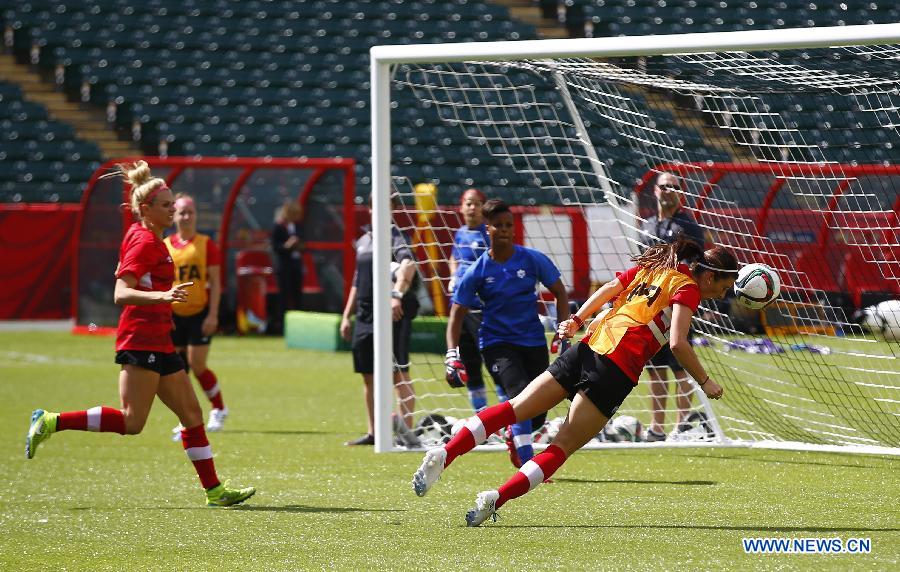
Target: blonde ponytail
144, 186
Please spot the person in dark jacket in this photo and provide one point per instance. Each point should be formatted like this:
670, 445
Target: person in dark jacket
670, 222
288, 244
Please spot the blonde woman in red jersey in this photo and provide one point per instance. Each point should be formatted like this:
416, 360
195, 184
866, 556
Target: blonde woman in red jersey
654, 303
149, 365
197, 260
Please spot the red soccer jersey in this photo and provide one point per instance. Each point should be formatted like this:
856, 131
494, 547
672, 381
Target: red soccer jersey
638, 324
145, 328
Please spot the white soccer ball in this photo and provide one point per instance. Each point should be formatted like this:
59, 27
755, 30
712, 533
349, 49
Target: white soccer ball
625, 428
757, 286
545, 434
434, 430
696, 427
884, 319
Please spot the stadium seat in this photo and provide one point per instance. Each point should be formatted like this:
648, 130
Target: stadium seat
254, 72
42, 161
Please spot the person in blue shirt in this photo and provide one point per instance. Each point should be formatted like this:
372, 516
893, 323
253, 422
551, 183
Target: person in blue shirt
469, 243
503, 282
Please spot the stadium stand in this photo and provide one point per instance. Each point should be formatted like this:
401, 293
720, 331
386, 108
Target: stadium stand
280, 78
41, 160
842, 134
595, 18
288, 78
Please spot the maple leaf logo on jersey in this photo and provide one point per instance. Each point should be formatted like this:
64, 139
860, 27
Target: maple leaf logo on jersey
520, 273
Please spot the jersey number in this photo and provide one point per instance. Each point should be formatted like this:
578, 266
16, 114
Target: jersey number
651, 291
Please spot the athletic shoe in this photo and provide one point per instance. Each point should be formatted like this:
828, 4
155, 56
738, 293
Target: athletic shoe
404, 436
429, 472
216, 419
176, 433
653, 436
222, 496
43, 424
485, 508
511, 447
367, 439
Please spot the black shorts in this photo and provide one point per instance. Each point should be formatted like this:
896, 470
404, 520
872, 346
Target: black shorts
188, 330
364, 348
664, 358
162, 363
582, 369
513, 367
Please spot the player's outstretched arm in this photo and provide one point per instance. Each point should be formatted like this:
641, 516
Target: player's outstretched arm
126, 293
601, 296
684, 353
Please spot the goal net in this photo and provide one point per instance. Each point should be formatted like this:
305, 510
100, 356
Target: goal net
786, 154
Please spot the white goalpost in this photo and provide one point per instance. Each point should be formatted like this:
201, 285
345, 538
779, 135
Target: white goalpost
787, 144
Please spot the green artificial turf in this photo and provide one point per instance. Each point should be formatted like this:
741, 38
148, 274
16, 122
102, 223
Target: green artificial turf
105, 502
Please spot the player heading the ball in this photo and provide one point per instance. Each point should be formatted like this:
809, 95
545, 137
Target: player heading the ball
654, 303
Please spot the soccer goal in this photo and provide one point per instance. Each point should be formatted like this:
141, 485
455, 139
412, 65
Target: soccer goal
786, 144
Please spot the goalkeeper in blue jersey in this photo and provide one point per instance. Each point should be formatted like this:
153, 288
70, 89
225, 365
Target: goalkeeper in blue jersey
470, 241
503, 282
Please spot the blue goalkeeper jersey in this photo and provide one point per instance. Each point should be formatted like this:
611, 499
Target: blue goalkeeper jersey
508, 295
468, 245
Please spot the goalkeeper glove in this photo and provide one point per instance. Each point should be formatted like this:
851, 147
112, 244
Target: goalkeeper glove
456, 371
559, 345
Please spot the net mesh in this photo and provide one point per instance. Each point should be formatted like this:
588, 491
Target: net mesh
785, 157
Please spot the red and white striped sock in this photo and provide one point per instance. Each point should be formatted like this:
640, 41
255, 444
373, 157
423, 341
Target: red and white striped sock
102, 419
532, 473
196, 445
477, 429
210, 385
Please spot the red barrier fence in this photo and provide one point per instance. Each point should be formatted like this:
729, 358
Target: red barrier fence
36, 243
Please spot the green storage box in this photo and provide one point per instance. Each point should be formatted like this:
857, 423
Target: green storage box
314, 331
319, 331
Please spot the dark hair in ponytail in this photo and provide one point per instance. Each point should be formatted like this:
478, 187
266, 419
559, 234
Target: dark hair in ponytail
662, 256
718, 259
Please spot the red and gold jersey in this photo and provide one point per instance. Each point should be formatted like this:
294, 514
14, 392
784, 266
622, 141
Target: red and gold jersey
149, 327
192, 261
638, 324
